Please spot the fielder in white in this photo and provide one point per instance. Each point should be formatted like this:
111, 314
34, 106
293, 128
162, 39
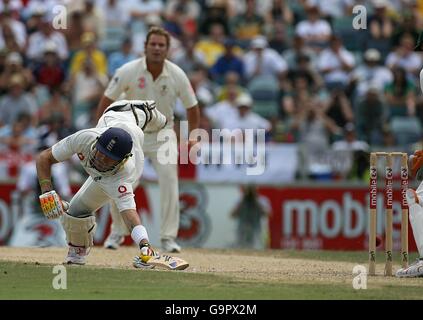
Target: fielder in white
415, 206
153, 77
112, 156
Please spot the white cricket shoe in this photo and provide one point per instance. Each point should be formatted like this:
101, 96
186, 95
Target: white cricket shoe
113, 241
77, 255
169, 245
413, 271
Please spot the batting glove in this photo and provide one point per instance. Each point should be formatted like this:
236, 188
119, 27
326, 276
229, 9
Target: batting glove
52, 206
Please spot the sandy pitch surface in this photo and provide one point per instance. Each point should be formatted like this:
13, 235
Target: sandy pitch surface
268, 265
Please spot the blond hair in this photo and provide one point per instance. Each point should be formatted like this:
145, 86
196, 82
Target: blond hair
158, 31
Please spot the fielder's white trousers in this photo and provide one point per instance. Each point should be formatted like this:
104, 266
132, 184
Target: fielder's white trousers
163, 156
416, 220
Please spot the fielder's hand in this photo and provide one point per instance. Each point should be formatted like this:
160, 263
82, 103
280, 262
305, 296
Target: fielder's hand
416, 163
52, 205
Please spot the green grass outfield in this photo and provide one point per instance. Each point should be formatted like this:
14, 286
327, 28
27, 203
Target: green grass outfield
33, 280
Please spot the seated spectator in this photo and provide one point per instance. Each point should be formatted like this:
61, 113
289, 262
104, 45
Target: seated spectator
405, 57
87, 87
232, 80
303, 68
247, 26
73, 32
408, 25
119, 58
279, 40
335, 63
38, 40
380, 24
245, 119
89, 52
281, 12
215, 13
370, 73
333, 9
298, 49
16, 101
224, 109
19, 136
350, 141
371, 117
228, 62
400, 95
261, 60
12, 32
14, 65
339, 109
50, 71
315, 31
183, 15
55, 106
213, 45
93, 19
115, 13
188, 59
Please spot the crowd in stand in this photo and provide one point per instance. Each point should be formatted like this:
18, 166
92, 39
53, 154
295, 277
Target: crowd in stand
297, 69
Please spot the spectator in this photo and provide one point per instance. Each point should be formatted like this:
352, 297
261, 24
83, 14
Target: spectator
19, 136
279, 41
188, 58
115, 13
335, 63
16, 101
38, 40
405, 57
245, 27
182, 16
380, 24
333, 9
339, 109
87, 86
315, 31
400, 95
118, 59
93, 19
350, 141
261, 60
370, 73
232, 80
225, 109
228, 62
408, 26
298, 49
14, 65
303, 68
215, 14
12, 32
50, 71
212, 47
279, 12
73, 32
89, 52
371, 117
56, 106
245, 119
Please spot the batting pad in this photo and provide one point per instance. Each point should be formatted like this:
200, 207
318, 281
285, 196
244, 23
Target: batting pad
79, 231
416, 221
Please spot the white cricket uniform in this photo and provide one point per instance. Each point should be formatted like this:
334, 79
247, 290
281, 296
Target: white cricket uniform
99, 188
134, 82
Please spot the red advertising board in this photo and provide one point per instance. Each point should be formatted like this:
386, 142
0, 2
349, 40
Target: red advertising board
327, 218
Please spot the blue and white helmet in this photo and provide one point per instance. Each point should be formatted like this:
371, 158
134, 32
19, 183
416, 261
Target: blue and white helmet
112, 148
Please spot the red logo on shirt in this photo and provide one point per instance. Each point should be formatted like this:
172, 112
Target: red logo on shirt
141, 83
81, 156
122, 189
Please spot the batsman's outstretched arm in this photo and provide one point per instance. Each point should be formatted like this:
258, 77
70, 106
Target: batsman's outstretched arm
102, 105
43, 163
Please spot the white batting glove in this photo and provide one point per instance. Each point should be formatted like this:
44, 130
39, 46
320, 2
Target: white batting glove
52, 205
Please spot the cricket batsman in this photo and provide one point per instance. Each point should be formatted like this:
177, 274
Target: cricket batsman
112, 155
415, 208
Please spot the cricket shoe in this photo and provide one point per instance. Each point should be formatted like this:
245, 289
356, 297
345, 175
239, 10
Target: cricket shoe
146, 253
77, 255
169, 245
413, 271
114, 240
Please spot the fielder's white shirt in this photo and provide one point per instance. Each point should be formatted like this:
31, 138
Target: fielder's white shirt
119, 187
136, 82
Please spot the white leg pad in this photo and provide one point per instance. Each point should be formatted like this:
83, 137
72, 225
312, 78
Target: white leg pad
416, 221
79, 231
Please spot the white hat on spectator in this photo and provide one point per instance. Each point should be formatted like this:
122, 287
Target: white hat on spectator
153, 20
14, 58
372, 54
380, 3
259, 42
50, 46
244, 100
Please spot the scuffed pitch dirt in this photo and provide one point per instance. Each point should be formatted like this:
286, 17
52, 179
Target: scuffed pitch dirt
269, 265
